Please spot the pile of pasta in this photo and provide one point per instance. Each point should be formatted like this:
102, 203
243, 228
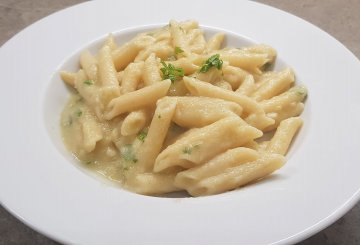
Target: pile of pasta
171, 111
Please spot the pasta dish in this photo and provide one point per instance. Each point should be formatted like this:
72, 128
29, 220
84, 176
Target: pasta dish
170, 111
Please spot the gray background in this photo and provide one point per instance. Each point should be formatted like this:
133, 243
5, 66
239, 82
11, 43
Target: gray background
339, 18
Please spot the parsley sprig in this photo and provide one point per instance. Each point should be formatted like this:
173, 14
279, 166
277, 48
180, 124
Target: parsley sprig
171, 72
142, 135
178, 50
89, 82
128, 154
213, 61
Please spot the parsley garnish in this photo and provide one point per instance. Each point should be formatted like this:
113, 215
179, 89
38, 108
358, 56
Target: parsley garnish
189, 149
178, 50
78, 113
171, 72
212, 61
128, 154
142, 135
89, 82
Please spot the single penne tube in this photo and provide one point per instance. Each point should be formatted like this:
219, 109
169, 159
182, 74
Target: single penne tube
217, 165
134, 122
192, 35
256, 115
151, 183
156, 134
200, 88
89, 91
198, 46
201, 145
151, 72
275, 85
110, 42
260, 79
251, 62
135, 100
215, 42
132, 77
89, 64
91, 130
293, 95
262, 49
68, 77
125, 54
178, 37
195, 112
247, 86
283, 136
238, 176
234, 75
107, 74
188, 25
196, 41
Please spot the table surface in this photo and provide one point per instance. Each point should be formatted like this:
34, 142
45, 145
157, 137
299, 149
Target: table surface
339, 18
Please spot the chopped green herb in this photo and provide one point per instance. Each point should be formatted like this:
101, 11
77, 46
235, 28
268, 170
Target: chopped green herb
189, 149
169, 71
213, 61
178, 50
127, 153
142, 135
159, 116
89, 82
88, 162
78, 113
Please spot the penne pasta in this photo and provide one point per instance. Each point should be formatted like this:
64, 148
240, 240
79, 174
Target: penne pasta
132, 77
157, 132
137, 99
238, 176
201, 145
215, 42
89, 64
171, 110
275, 86
134, 122
283, 136
151, 73
215, 166
195, 112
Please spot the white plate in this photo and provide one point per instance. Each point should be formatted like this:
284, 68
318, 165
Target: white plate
318, 185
